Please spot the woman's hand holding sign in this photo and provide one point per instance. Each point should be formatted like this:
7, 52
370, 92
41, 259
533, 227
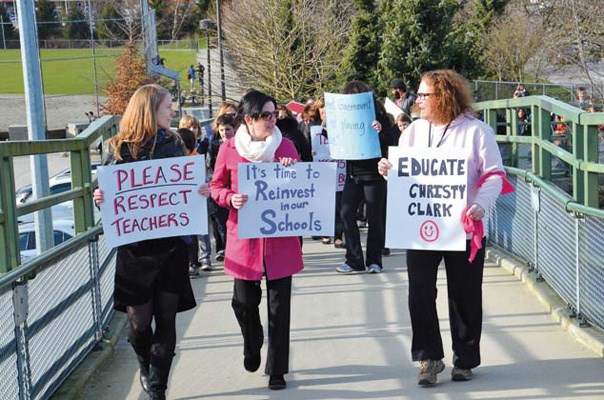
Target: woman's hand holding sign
238, 200
98, 197
377, 126
475, 211
204, 190
383, 166
287, 161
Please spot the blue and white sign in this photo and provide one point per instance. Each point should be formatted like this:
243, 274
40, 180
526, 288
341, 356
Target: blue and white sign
293, 201
349, 118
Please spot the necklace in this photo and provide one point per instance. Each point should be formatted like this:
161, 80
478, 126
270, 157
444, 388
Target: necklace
441, 136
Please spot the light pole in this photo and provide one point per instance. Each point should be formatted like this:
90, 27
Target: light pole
219, 19
207, 24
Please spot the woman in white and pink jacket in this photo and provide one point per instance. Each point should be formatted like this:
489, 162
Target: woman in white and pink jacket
446, 120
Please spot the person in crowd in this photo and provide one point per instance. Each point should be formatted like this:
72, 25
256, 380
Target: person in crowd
582, 99
447, 121
201, 73
289, 128
304, 118
225, 125
200, 259
191, 77
520, 91
401, 123
248, 260
363, 181
402, 98
284, 112
314, 119
151, 280
524, 123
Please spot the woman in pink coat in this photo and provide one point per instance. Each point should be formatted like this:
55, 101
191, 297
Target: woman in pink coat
247, 260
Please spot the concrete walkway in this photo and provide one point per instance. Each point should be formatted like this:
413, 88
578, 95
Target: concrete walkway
350, 339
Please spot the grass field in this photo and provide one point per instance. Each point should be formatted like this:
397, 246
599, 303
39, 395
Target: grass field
71, 71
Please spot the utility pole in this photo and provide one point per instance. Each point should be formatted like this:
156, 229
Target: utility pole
36, 117
91, 25
3, 37
207, 24
219, 19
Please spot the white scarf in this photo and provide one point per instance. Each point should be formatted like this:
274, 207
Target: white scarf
257, 151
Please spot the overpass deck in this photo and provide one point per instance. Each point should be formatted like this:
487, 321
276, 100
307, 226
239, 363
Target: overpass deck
350, 339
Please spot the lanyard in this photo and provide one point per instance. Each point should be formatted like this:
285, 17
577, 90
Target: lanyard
441, 137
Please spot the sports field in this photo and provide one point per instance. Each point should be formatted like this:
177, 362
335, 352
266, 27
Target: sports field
71, 71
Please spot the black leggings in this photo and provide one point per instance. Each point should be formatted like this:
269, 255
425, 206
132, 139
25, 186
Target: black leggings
162, 308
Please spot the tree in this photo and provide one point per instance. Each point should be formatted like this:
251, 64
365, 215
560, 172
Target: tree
291, 48
513, 40
130, 74
119, 20
575, 34
76, 26
414, 39
46, 17
363, 50
7, 29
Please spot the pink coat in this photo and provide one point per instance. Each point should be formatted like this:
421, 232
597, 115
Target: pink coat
247, 258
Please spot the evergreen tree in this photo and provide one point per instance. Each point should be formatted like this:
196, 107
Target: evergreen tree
76, 26
415, 39
363, 50
48, 23
9, 32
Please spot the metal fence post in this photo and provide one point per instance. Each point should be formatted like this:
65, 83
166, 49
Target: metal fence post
21, 307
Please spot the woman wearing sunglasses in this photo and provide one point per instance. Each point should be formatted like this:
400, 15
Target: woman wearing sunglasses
247, 260
446, 120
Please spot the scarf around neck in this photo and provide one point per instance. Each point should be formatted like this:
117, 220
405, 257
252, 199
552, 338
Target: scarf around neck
257, 151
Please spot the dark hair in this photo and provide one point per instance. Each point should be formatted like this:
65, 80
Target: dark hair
188, 137
252, 103
398, 84
225, 119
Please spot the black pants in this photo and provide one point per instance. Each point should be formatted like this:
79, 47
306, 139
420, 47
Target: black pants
246, 299
374, 193
339, 224
464, 288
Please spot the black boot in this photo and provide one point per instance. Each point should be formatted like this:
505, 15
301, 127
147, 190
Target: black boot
142, 347
159, 371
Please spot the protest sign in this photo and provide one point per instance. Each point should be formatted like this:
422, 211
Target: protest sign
153, 199
320, 153
293, 201
392, 108
349, 118
427, 193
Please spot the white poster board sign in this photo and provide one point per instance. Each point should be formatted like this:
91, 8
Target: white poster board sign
320, 153
153, 199
349, 118
392, 108
427, 193
294, 201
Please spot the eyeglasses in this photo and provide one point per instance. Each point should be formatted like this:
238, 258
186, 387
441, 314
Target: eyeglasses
423, 96
267, 115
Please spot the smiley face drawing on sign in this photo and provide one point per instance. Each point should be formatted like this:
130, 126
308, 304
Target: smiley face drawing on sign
429, 231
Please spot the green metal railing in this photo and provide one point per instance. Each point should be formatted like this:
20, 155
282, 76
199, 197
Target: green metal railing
81, 184
581, 158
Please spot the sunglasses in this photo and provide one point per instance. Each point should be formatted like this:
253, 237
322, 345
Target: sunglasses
267, 115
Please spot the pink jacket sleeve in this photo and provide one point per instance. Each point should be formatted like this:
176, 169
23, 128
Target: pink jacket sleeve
220, 186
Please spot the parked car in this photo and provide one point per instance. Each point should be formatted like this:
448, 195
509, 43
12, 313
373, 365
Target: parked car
58, 183
63, 230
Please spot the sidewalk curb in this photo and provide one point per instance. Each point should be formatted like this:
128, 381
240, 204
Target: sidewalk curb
590, 337
75, 384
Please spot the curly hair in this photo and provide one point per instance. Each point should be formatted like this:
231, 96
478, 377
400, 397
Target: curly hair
452, 94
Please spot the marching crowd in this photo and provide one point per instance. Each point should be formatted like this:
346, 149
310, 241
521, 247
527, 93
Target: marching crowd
152, 276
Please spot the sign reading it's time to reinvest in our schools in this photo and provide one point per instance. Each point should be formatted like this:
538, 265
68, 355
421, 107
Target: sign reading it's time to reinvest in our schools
351, 134
295, 201
153, 199
427, 193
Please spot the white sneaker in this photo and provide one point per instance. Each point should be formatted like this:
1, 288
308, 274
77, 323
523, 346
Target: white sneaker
347, 269
374, 269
